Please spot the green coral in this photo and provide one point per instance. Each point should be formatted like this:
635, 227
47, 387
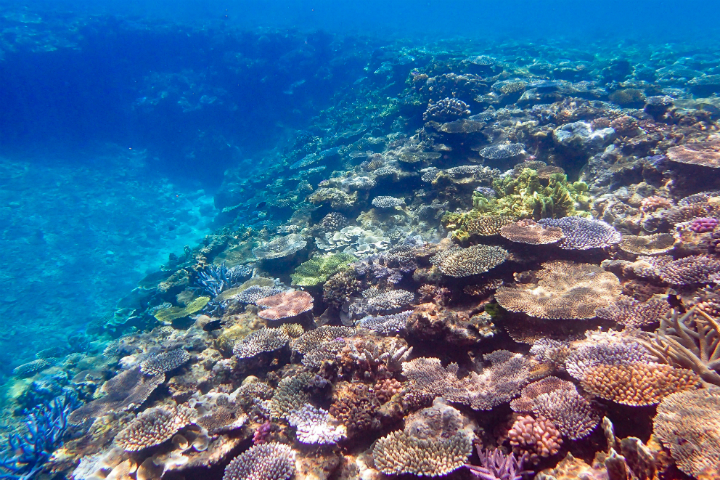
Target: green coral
319, 268
530, 196
167, 315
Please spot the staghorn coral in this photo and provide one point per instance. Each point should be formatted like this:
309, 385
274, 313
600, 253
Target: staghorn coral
688, 423
433, 443
637, 383
125, 391
631, 313
284, 305
217, 278
280, 247
564, 290
319, 268
316, 426
164, 362
531, 232
153, 427
464, 262
647, 244
533, 439
496, 384
706, 154
495, 465
689, 341
263, 340
583, 233
267, 461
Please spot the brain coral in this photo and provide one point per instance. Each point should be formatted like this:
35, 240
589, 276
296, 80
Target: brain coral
287, 304
583, 233
688, 423
152, 427
164, 362
564, 290
464, 262
268, 461
280, 247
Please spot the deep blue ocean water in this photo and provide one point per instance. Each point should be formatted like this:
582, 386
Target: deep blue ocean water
119, 119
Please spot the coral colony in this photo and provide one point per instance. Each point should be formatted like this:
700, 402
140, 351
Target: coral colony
511, 253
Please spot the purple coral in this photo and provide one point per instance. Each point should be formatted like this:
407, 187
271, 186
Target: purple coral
495, 465
704, 224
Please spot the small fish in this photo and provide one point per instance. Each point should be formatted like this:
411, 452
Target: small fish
260, 205
213, 325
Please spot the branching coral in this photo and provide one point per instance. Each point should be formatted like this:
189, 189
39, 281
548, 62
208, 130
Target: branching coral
629, 312
495, 465
690, 341
152, 427
26, 453
268, 461
433, 443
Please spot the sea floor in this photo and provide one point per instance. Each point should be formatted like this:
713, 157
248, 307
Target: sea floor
76, 236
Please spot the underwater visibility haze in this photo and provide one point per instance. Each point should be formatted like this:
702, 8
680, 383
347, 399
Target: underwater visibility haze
257, 240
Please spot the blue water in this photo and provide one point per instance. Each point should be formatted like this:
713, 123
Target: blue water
121, 122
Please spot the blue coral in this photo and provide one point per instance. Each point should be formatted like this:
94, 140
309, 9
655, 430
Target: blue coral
216, 278
26, 453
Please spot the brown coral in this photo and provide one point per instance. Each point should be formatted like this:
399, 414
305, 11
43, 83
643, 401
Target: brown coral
464, 262
164, 362
628, 311
706, 154
534, 438
638, 383
647, 244
531, 232
269, 461
688, 423
565, 290
152, 427
285, 305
